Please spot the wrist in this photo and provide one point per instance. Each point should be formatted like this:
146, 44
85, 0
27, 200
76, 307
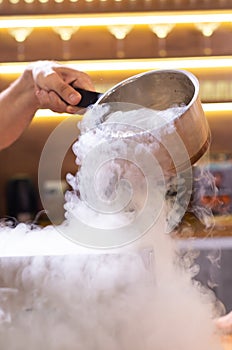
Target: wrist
28, 85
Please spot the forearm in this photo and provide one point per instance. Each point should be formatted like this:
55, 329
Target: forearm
44, 84
18, 104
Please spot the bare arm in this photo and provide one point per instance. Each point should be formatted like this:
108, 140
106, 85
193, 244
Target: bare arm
43, 84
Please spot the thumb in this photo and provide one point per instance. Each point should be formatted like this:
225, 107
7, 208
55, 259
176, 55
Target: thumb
68, 93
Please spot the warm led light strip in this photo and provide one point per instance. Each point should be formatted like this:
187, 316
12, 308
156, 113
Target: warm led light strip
45, 113
217, 107
132, 64
140, 18
207, 107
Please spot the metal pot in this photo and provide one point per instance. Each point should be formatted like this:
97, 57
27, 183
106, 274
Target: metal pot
160, 90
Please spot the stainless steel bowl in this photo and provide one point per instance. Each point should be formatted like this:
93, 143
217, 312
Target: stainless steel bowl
160, 90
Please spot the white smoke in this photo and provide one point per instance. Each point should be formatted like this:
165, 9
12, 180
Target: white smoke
58, 295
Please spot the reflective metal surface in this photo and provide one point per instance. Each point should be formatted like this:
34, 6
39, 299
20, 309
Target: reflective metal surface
160, 90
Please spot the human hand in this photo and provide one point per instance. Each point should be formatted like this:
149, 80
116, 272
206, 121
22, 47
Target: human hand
52, 82
224, 323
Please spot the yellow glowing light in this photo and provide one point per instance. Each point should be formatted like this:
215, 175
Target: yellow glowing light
65, 33
207, 29
217, 107
133, 64
14, 2
20, 34
120, 31
29, 1
161, 30
43, 113
139, 18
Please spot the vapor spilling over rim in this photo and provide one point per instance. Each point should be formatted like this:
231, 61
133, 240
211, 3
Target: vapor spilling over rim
159, 130
100, 217
164, 90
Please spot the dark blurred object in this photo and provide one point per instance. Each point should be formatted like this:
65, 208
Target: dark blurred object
21, 198
87, 97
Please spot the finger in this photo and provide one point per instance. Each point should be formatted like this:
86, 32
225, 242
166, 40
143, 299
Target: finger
42, 97
51, 101
55, 83
83, 81
224, 323
75, 78
75, 110
59, 79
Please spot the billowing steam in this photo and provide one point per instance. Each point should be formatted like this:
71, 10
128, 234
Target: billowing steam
56, 294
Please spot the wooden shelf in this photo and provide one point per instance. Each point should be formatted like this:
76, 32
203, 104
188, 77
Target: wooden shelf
8, 7
93, 40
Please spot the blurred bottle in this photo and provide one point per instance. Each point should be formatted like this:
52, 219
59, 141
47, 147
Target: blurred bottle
21, 198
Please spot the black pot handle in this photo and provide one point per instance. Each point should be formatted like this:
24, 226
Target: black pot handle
88, 97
